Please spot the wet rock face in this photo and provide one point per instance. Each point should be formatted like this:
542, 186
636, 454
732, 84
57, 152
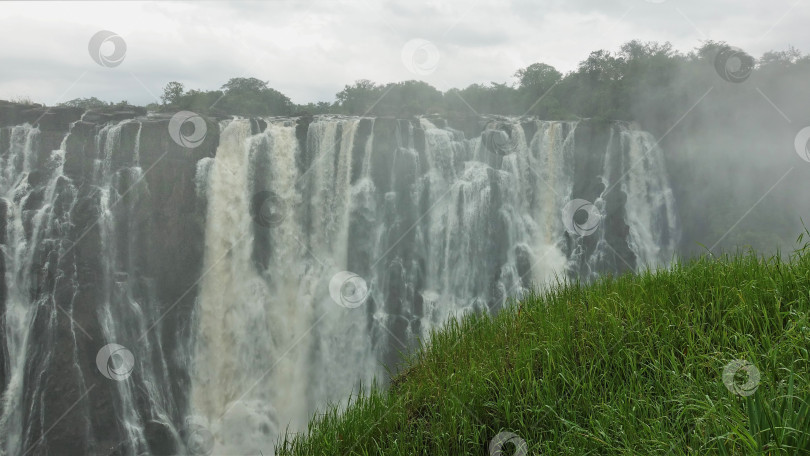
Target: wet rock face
59, 118
56, 118
3, 293
102, 221
594, 142
115, 240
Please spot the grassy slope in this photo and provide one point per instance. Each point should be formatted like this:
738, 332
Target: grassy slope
628, 365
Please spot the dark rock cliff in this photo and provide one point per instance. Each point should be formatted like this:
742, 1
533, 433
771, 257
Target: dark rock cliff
80, 280
114, 228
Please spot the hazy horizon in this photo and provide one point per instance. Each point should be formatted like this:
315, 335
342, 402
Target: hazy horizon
292, 45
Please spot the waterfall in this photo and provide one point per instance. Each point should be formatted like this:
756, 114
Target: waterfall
254, 313
128, 304
15, 190
75, 283
434, 223
654, 230
166, 299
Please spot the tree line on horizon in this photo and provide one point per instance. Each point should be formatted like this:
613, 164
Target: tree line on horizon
640, 81
732, 136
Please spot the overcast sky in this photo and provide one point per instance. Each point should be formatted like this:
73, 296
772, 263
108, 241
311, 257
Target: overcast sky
310, 50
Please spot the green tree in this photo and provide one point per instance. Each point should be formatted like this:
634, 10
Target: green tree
534, 85
253, 97
172, 93
199, 101
244, 85
538, 77
780, 58
408, 98
492, 98
85, 103
359, 98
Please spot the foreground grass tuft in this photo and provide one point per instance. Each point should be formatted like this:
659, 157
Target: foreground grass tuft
625, 366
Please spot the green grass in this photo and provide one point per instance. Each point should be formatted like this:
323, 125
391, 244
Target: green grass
629, 365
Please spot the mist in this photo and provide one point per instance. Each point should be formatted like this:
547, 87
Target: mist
227, 225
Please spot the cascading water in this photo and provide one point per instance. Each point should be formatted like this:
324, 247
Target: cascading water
650, 204
435, 225
15, 169
129, 305
284, 264
76, 280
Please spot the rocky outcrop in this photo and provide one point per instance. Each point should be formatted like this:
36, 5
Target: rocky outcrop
143, 277
594, 141
102, 219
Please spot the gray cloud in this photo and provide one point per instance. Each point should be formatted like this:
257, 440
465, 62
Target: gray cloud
310, 50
